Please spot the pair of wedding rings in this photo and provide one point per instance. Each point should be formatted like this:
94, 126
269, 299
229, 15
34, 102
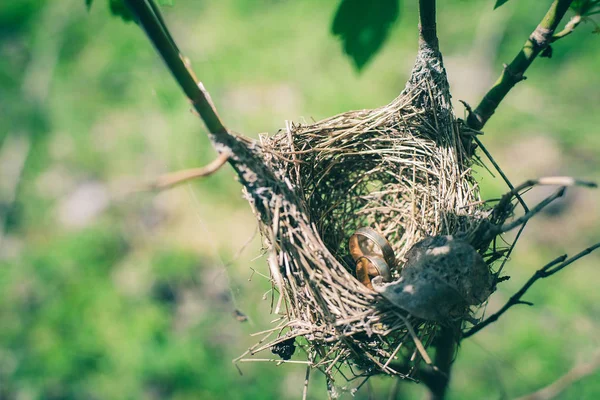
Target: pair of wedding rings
372, 254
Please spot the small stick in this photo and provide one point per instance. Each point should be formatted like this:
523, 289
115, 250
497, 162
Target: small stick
417, 341
497, 167
519, 221
278, 361
307, 378
562, 181
547, 270
569, 28
173, 179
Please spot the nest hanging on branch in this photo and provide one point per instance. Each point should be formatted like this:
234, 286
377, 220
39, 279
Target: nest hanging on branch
376, 233
404, 171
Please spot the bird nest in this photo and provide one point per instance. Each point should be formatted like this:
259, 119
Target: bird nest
403, 171
375, 230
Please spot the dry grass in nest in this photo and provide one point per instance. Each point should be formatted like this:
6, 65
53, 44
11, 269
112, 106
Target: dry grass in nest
404, 170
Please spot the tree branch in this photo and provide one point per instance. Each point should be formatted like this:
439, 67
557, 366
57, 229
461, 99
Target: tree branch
148, 16
427, 26
576, 373
537, 42
548, 270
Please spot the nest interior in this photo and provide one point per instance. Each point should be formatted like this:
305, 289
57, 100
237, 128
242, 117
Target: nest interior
403, 169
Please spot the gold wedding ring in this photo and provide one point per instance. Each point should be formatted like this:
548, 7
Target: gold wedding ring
358, 248
368, 267
373, 255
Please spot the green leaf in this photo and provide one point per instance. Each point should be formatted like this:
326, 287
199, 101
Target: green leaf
499, 3
88, 4
363, 26
119, 8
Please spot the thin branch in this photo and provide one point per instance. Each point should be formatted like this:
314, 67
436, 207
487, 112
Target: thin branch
427, 26
568, 29
504, 177
521, 220
562, 181
548, 270
148, 16
544, 181
176, 178
426, 375
537, 42
577, 373
306, 379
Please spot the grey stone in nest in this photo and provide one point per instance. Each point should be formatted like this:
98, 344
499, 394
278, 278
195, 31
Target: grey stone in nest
442, 277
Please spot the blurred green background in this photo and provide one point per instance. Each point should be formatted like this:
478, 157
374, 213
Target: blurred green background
105, 294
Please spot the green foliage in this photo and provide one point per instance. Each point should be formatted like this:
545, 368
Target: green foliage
119, 8
363, 27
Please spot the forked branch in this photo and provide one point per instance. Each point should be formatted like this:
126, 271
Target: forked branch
513, 73
548, 270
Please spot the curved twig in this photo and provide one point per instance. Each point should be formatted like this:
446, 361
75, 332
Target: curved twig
568, 29
170, 180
